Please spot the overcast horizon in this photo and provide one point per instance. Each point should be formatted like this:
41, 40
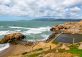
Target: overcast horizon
30, 9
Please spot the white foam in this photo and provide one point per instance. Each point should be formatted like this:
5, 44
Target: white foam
3, 32
36, 30
28, 32
17, 30
45, 36
15, 27
8, 32
4, 46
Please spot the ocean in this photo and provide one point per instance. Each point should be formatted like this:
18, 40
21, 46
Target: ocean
34, 30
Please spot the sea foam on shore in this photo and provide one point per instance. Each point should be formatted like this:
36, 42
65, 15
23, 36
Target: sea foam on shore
4, 46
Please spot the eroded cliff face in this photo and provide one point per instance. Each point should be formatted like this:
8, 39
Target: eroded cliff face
68, 27
12, 37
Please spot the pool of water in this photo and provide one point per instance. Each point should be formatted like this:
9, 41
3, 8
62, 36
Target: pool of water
69, 38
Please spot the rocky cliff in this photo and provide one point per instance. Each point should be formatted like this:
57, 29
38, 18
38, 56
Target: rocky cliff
68, 27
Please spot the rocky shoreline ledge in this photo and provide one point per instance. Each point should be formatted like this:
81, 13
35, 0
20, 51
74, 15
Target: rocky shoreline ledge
68, 27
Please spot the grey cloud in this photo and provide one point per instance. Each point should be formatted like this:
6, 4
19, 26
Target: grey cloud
38, 8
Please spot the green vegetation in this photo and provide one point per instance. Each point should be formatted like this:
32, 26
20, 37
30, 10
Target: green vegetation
73, 46
75, 51
55, 42
39, 49
34, 55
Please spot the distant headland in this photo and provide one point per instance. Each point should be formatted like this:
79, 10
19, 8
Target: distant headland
54, 19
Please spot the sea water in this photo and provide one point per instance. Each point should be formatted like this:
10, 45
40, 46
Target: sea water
34, 30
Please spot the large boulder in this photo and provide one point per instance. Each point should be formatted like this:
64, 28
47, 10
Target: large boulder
12, 37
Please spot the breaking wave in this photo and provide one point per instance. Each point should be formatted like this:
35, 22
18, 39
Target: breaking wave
45, 36
36, 30
15, 27
28, 31
4, 46
38, 33
8, 32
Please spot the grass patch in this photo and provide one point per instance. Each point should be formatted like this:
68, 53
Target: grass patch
73, 46
55, 42
34, 55
38, 49
75, 51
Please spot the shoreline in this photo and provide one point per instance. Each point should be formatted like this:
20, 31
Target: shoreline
6, 52
19, 49
12, 48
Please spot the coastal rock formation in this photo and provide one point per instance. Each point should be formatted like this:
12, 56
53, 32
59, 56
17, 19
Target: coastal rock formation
51, 37
68, 27
12, 37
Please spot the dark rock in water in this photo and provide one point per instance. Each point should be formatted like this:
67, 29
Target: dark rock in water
12, 37
51, 37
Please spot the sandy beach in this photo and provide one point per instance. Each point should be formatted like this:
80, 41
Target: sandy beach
13, 50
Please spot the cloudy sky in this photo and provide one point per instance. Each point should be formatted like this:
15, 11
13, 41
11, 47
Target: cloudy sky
22, 9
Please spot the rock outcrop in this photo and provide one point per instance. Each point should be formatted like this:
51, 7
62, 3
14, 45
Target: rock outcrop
12, 37
51, 37
69, 27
